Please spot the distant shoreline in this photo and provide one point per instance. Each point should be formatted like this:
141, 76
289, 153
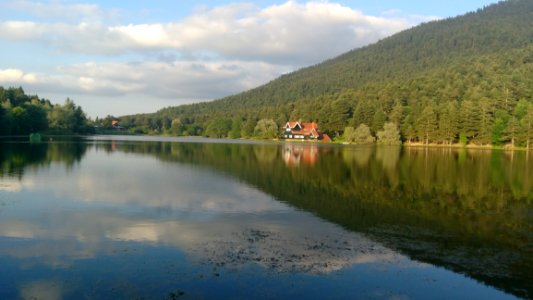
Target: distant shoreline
52, 135
469, 146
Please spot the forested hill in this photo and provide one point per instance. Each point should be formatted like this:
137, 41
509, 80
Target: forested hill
479, 64
497, 28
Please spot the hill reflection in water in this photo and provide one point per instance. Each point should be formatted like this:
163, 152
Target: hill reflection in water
232, 206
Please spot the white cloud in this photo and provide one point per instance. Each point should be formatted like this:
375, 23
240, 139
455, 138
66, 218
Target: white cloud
178, 80
17, 76
290, 32
19, 30
213, 52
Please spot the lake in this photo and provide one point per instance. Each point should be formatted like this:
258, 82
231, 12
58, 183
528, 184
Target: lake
113, 217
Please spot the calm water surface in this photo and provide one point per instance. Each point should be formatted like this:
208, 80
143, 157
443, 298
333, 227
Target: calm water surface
161, 218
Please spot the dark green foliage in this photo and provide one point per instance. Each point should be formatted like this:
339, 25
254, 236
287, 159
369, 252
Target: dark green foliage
378, 120
236, 126
218, 128
3, 121
469, 119
248, 127
177, 127
448, 123
497, 131
37, 116
68, 117
334, 115
426, 125
24, 114
526, 128
435, 81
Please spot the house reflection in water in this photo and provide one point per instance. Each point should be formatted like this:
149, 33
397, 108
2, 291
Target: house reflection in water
114, 145
296, 154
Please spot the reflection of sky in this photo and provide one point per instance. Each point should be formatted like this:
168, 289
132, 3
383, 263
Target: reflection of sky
42, 289
135, 198
10, 185
59, 218
120, 179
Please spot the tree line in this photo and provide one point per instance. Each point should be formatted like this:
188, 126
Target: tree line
23, 114
483, 100
465, 80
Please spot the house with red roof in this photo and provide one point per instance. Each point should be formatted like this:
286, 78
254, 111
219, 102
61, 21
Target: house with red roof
294, 130
116, 125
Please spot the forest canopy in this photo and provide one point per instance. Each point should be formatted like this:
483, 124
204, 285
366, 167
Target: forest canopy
467, 79
23, 114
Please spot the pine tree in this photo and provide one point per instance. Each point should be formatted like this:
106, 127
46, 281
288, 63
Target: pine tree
527, 127
247, 130
510, 131
338, 114
408, 129
469, 119
396, 115
235, 132
486, 121
363, 113
448, 123
378, 120
498, 129
426, 125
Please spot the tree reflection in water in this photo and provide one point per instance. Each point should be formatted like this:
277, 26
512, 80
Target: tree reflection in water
470, 211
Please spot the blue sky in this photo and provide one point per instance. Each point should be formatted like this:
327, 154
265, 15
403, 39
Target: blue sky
124, 57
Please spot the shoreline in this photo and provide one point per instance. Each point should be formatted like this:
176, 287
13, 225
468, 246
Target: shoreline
469, 146
338, 142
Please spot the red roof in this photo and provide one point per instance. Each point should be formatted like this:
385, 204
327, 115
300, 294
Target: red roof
306, 128
292, 124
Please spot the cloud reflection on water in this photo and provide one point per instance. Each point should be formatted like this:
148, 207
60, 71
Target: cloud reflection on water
118, 179
279, 241
41, 290
214, 219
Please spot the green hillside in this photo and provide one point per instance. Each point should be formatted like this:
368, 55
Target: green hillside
468, 77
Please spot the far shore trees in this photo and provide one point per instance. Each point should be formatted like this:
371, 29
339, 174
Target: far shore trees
359, 136
67, 117
23, 114
390, 135
218, 128
266, 129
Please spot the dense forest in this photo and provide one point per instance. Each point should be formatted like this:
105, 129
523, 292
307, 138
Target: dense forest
23, 114
466, 79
